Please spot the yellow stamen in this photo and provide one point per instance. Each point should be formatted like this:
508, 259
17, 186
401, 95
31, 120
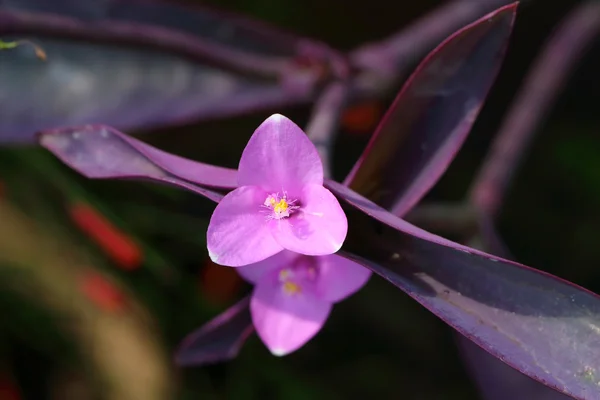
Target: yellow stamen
291, 288
280, 207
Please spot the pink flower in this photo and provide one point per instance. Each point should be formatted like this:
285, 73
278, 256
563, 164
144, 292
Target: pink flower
280, 202
281, 209
295, 293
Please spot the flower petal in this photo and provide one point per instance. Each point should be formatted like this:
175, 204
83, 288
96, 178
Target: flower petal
279, 156
339, 278
318, 229
254, 272
238, 232
286, 322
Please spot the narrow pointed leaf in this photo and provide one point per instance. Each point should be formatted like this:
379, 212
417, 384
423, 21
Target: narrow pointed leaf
129, 65
547, 328
218, 340
432, 115
100, 152
436, 159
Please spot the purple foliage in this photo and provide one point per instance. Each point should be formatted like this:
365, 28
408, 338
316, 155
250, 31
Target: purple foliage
145, 64
101, 152
432, 115
538, 323
150, 63
220, 339
542, 326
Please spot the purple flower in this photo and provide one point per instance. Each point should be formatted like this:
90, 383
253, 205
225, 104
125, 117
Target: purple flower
281, 209
294, 295
280, 202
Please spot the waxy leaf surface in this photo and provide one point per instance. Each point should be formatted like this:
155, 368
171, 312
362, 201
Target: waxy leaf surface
139, 65
100, 152
432, 115
495, 379
498, 381
547, 328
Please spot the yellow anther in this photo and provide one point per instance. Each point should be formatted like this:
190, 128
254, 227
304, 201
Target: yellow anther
270, 201
280, 207
291, 288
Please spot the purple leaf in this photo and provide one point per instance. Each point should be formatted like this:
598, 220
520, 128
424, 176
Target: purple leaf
218, 340
219, 27
495, 379
223, 28
547, 328
100, 152
436, 158
133, 75
126, 87
498, 381
397, 51
433, 114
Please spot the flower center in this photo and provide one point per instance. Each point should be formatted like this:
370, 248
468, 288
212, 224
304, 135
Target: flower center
294, 278
290, 285
279, 206
291, 288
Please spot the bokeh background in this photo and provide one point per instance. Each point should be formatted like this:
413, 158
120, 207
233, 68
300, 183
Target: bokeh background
100, 280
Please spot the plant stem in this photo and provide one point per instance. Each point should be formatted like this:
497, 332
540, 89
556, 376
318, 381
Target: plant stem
324, 121
542, 85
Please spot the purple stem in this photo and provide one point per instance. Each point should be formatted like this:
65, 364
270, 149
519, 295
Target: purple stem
445, 218
324, 120
544, 82
387, 60
542, 85
139, 33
